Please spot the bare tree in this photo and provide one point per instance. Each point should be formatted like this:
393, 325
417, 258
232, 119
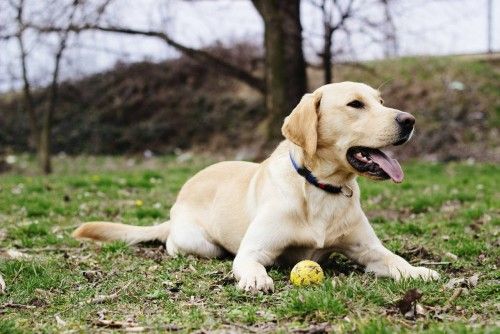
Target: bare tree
334, 16
285, 68
344, 17
40, 138
381, 31
29, 104
389, 30
46, 130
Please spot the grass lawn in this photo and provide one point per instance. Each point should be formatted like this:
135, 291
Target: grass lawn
444, 215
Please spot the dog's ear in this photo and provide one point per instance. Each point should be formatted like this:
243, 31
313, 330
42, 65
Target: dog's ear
301, 126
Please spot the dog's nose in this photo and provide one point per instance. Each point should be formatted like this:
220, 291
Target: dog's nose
405, 120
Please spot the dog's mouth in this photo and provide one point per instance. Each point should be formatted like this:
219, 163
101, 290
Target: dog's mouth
374, 163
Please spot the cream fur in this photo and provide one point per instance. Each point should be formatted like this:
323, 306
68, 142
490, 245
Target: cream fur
266, 213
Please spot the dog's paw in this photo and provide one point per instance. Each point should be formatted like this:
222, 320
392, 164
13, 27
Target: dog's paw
416, 273
254, 283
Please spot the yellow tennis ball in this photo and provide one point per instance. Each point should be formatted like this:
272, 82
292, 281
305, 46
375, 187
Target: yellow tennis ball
306, 272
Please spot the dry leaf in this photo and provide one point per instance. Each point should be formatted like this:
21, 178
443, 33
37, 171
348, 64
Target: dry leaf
14, 254
451, 256
473, 280
59, 321
102, 298
2, 285
454, 282
420, 309
407, 304
102, 314
172, 287
462, 282
93, 275
153, 268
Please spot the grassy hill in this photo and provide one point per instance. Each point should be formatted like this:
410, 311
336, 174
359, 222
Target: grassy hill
181, 104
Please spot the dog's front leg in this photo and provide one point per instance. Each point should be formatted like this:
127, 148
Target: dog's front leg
249, 270
259, 248
363, 246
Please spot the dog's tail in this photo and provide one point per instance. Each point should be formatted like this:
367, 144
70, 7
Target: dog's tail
104, 231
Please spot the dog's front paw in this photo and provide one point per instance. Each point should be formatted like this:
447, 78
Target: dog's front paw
254, 283
417, 273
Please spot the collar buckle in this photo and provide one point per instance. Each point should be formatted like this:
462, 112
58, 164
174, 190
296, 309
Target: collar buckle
346, 191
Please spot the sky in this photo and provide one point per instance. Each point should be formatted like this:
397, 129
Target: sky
424, 27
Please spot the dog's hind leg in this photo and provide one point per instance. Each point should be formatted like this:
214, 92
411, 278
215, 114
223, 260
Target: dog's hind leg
189, 238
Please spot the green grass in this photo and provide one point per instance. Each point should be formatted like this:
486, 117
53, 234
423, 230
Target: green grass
439, 209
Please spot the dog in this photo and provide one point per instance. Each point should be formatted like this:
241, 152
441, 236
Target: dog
303, 202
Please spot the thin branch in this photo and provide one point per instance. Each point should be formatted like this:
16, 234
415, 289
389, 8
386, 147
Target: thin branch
7, 37
198, 55
28, 96
344, 15
391, 33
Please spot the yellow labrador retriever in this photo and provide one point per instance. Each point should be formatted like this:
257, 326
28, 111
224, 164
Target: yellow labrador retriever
300, 203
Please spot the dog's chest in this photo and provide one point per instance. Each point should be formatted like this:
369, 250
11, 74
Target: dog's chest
327, 219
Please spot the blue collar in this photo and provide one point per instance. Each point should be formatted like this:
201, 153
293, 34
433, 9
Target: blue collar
307, 174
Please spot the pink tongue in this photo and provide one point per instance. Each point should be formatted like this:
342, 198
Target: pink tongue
389, 165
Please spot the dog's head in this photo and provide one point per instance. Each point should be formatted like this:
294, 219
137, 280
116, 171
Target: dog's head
347, 123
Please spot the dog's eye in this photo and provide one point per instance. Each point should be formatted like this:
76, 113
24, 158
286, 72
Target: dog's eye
356, 104
381, 101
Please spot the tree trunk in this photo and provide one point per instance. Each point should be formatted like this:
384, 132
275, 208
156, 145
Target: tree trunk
44, 152
327, 54
44, 147
285, 67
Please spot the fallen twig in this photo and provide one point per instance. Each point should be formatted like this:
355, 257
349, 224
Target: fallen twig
18, 306
457, 293
59, 321
431, 263
105, 298
102, 298
248, 329
114, 324
404, 323
132, 327
165, 328
49, 249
